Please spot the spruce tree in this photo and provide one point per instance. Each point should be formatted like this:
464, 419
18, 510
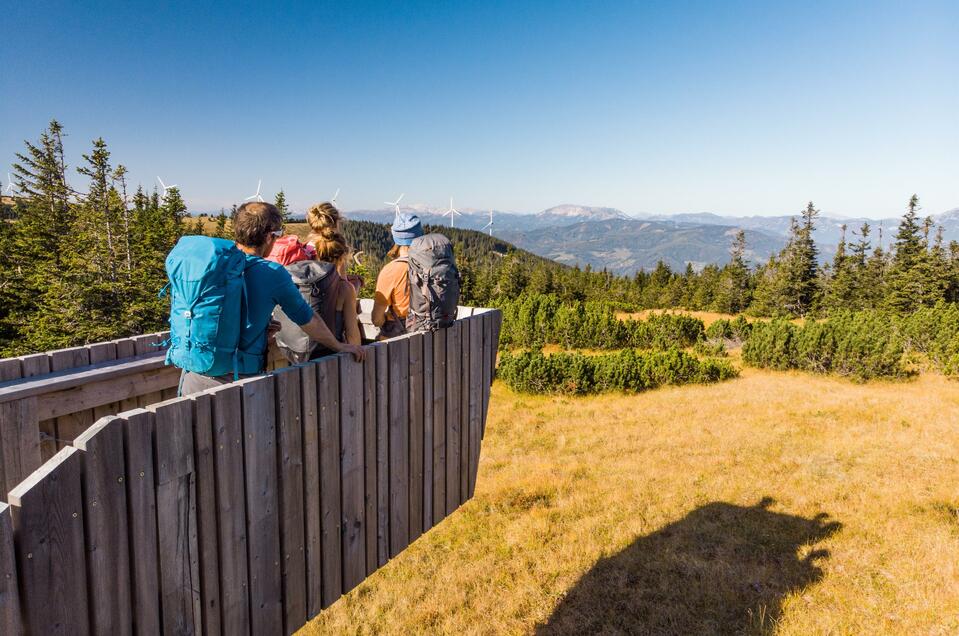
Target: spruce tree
912, 280
281, 205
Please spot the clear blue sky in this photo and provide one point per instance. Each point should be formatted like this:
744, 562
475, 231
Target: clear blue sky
735, 108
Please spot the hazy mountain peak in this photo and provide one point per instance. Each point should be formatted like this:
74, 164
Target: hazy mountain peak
582, 212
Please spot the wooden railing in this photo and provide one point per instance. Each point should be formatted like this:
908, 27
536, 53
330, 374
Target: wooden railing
244, 509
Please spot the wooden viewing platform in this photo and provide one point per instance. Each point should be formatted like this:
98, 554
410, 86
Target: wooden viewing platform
245, 509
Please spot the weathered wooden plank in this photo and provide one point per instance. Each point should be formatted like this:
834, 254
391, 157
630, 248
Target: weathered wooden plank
48, 516
117, 390
415, 374
206, 509
465, 366
10, 370
262, 505
176, 517
399, 426
439, 425
231, 508
292, 518
42, 380
381, 351
475, 399
101, 352
311, 477
69, 425
70, 358
330, 510
454, 352
489, 353
35, 364
142, 520
11, 623
352, 473
369, 457
19, 442
144, 345
427, 431
30, 366
126, 349
105, 516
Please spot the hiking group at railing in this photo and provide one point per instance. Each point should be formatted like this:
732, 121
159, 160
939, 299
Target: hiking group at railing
193, 492
230, 299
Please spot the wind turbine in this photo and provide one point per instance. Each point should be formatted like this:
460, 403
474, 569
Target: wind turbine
9, 189
452, 212
490, 224
396, 204
165, 186
333, 200
257, 195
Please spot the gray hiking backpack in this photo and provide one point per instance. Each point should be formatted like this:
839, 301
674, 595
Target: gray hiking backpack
319, 285
434, 284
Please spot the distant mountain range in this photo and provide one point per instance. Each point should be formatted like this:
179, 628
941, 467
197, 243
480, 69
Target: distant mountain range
609, 238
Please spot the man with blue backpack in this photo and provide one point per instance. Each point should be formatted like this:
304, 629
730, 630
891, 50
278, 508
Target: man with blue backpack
223, 297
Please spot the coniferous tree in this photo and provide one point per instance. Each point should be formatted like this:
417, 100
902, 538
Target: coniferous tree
912, 282
281, 205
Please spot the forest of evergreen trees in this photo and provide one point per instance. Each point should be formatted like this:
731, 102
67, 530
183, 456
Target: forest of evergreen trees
81, 266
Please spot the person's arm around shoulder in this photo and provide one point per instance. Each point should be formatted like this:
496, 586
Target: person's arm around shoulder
288, 297
381, 299
317, 330
351, 322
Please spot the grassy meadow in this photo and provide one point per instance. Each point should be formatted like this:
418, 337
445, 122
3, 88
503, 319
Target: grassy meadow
777, 503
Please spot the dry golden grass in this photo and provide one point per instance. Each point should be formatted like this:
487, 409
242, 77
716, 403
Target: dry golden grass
708, 317
646, 514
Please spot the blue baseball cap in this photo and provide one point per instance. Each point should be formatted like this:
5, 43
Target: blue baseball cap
406, 227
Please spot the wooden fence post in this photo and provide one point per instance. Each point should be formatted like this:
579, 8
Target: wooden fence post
48, 517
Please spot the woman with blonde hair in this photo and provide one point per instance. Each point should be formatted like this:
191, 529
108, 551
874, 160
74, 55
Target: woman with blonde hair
324, 218
330, 295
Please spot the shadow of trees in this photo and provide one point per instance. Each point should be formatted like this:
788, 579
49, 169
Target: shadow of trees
722, 569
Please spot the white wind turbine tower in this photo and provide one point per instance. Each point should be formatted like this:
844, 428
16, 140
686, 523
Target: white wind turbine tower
165, 186
490, 224
257, 195
396, 204
9, 189
336, 194
452, 212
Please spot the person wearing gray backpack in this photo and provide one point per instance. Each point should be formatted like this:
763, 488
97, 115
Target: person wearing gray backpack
434, 284
418, 290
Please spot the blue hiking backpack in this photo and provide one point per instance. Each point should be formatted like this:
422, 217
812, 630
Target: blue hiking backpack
208, 307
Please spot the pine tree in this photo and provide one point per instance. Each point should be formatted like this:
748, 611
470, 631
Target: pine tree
220, 229
912, 281
840, 288
732, 294
281, 205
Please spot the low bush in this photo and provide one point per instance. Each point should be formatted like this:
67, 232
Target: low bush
735, 331
533, 320
863, 345
627, 370
711, 348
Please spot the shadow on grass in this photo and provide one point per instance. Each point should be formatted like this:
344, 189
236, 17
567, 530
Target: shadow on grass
722, 569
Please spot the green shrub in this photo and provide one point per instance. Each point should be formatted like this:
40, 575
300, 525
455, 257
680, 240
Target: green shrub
771, 345
534, 320
627, 370
662, 331
711, 348
732, 331
863, 345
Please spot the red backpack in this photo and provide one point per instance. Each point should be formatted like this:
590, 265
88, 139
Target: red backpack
288, 250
